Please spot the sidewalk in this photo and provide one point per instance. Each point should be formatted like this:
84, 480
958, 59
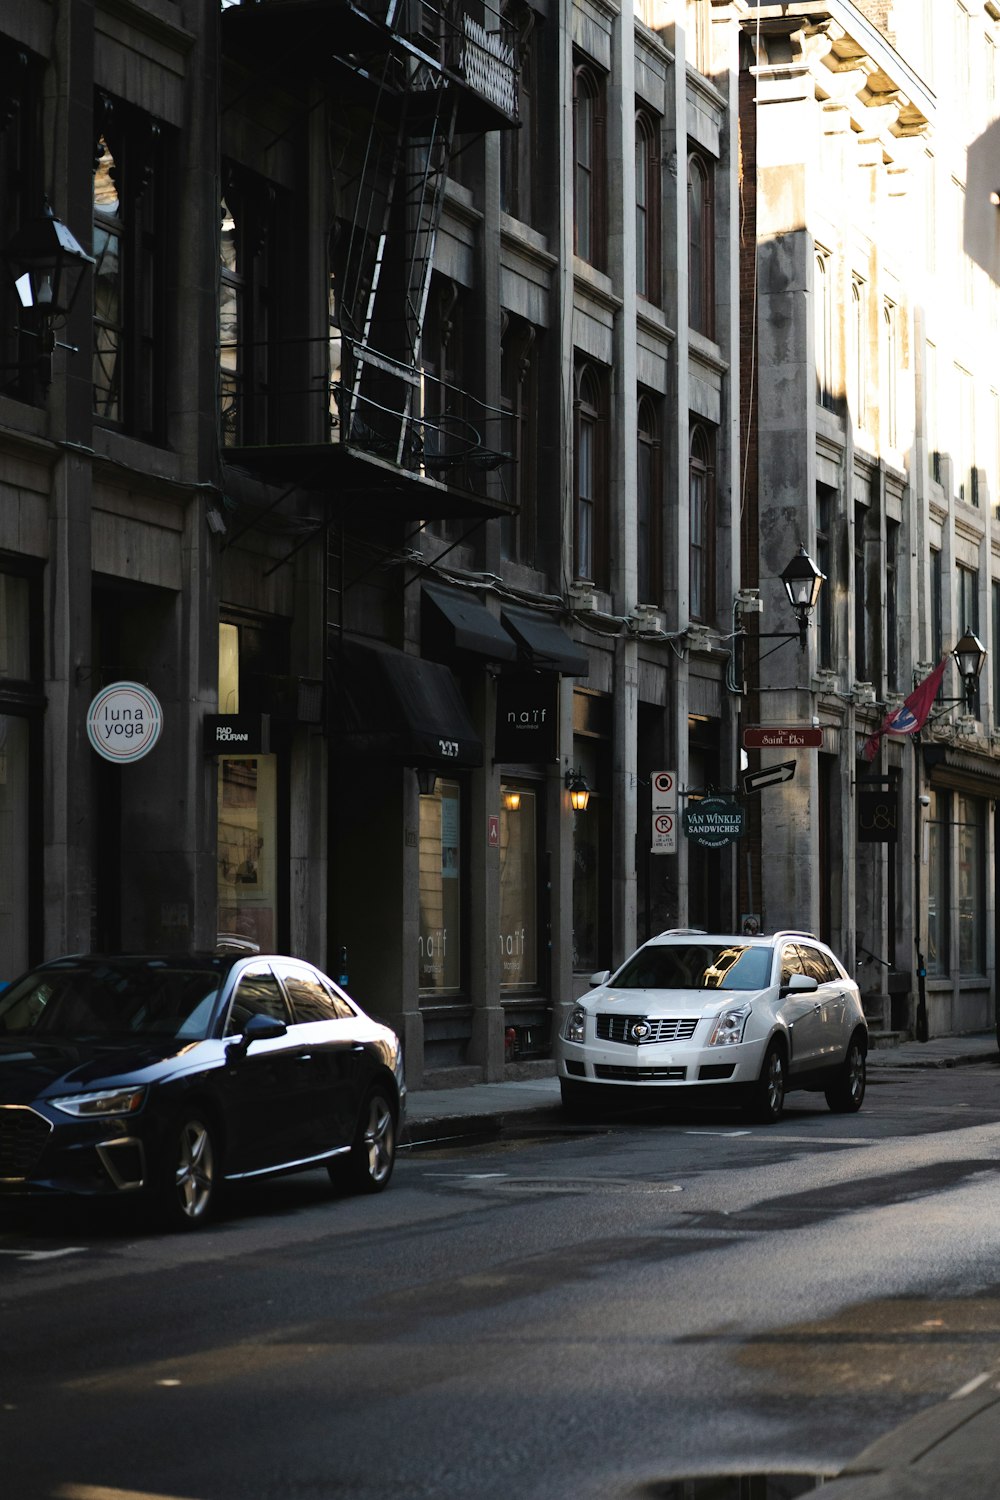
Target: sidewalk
484, 1108
950, 1449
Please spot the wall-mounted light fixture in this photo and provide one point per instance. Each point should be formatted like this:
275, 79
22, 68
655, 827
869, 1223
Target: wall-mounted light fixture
511, 798
970, 658
803, 581
426, 780
579, 791
46, 264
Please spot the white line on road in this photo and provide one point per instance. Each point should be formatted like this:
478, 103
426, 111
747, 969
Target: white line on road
970, 1386
46, 1254
717, 1132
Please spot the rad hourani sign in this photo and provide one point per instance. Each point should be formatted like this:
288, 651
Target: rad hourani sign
124, 722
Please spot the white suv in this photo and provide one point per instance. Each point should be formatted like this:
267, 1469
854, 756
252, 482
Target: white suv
751, 1017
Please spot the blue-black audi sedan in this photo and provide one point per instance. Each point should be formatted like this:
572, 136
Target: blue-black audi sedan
168, 1076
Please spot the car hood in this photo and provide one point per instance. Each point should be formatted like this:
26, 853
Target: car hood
31, 1067
608, 999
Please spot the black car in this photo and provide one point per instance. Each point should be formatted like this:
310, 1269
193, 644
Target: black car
166, 1076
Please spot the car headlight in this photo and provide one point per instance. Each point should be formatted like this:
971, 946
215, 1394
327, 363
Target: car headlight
576, 1025
107, 1102
729, 1026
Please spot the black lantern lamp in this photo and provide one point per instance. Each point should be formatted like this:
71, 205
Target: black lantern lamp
970, 658
579, 791
46, 265
803, 581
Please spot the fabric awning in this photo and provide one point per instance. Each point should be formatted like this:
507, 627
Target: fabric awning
456, 622
543, 643
395, 709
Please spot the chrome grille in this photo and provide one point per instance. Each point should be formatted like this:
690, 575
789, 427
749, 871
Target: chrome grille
23, 1135
661, 1029
620, 1074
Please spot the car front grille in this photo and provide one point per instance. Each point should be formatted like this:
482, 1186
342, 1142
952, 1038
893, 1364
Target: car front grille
23, 1135
614, 1028
614, 1073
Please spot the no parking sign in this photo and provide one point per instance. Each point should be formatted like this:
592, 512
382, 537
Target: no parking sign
663, 838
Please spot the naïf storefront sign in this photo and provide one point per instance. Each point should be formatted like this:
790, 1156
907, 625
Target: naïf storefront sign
124, 722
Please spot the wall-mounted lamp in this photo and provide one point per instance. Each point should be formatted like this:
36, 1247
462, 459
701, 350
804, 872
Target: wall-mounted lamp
511, 798
46, 264
803, 581
426, 780
995, 198
579, 791
970, 658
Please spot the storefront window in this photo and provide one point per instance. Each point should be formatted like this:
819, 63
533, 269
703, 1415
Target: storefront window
938, 946
969, 825
518, 888
14, 853
440, 935
246, 848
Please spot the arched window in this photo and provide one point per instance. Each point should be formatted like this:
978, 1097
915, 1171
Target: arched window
647, 207
589, 173
591, 520
648, 558
701, 521
701, 245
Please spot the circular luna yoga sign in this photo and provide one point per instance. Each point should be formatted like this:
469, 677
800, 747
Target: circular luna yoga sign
124, 722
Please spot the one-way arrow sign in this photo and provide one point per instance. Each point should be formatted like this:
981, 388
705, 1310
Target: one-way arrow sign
768, 776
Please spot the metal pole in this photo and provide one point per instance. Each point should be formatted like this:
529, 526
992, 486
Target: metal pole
921, 1028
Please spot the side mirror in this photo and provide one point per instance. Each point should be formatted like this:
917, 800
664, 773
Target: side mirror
601, 977
800, 984
259, 1028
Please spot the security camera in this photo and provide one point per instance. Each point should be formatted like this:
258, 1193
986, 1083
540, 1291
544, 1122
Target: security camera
924, 801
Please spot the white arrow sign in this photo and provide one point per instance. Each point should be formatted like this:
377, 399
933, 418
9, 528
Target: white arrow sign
768, 776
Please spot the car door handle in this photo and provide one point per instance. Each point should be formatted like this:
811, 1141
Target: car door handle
304, 1057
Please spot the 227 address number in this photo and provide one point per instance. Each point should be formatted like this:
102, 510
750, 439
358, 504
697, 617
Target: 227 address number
449, 749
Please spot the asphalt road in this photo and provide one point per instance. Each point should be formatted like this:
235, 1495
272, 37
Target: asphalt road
585, 1313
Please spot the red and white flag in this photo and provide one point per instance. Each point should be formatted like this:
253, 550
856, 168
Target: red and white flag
911, 714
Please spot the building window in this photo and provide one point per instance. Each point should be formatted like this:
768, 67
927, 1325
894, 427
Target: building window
823, 309
699, 35
648, 507
892, 605
701, 244
20, 199
859, 349
647, 207
439, 938
519, 948
701, 522
890, 326
931, 415
246, 312
21, 837
938, 885
519, 402
968, 599
966, 473
589, 122
591, 530
825, 501
970, 829
861, 656
129, 275
937, 605
519, 148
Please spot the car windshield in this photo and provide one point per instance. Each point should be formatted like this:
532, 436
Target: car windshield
696, 966
147, 1000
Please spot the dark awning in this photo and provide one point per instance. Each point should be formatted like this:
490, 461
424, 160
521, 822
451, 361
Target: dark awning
394, 709
457, 622
543, 643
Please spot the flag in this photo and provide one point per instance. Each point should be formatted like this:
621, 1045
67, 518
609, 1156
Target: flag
911, 714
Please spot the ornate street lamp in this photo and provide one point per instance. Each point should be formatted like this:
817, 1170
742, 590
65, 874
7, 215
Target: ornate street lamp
803, 581
970, 658
579, 791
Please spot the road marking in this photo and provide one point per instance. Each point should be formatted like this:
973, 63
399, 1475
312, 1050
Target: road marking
970, 1386
718, 1132
46, 1254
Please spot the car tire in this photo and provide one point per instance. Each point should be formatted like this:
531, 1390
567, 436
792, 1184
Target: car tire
767, 1095
368, 1166
846, 1096
191, 1175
